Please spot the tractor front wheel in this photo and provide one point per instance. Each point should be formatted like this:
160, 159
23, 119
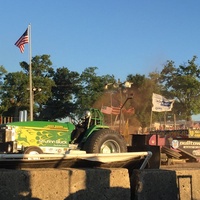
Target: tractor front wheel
105, 141
33, 151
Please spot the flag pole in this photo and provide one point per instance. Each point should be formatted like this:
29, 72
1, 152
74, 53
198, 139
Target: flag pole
30, 75
151, 120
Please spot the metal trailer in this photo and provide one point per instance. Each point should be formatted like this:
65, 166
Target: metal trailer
176, 146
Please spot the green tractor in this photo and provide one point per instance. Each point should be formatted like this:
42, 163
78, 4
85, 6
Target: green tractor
37, 137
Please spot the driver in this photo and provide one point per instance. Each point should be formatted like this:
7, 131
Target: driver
81, 127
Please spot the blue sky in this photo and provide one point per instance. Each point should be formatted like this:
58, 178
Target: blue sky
120, 37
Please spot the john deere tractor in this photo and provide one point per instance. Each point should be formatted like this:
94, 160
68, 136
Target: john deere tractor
36, 137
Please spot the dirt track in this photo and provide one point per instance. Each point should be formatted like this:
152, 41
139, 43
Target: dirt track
181, 166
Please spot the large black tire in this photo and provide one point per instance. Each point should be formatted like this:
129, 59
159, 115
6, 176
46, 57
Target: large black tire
105, 141
33, 151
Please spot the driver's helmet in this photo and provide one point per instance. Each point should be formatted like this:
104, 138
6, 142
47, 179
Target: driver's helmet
87, 114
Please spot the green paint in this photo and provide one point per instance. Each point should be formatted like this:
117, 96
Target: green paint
42, 134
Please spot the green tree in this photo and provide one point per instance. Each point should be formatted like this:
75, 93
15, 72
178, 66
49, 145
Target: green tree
14, 94
15, 89
3, 73
183, 85
62, 103
41, 66
92, 88
42, 78
73, 93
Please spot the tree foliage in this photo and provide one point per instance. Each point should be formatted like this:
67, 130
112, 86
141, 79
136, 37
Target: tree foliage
66, 93
183, 85
92, 88
14, 93
62, 103
15, 89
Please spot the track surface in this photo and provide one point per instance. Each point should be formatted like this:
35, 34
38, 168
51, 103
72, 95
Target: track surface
181, 166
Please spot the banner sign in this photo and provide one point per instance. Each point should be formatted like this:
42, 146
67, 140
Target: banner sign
161, 104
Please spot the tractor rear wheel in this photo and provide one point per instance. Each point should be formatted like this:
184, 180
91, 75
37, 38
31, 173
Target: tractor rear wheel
105, 141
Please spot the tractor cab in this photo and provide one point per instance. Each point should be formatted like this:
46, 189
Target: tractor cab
91, 121
96, 117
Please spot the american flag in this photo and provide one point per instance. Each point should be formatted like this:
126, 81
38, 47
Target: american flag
106, 110
110, 110
22, 40
116, 110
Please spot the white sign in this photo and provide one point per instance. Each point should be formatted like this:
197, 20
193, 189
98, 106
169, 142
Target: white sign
161, 104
